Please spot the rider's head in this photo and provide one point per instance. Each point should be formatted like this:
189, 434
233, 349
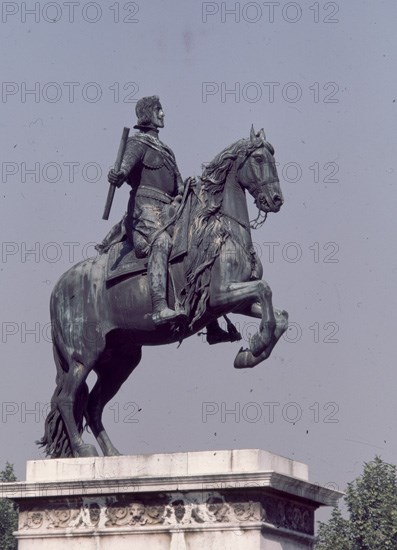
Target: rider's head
150, 112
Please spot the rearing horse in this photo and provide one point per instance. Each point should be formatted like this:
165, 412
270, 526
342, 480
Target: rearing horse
100, 326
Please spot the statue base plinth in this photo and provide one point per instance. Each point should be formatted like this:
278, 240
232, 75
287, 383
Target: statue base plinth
237, 500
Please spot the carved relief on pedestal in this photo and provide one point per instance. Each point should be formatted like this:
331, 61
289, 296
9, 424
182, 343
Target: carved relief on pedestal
287, 514
218, 509
171, 510
244, 511
31, 520
155, 514
63, 516
94, 511
179, 509
134, 513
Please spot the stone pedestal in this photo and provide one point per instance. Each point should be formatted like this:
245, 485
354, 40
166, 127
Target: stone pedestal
213, 500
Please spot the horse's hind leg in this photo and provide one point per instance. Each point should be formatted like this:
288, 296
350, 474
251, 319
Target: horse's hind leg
113, 370
71, 402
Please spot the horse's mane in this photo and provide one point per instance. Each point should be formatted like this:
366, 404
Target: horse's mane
215, 172
207, 232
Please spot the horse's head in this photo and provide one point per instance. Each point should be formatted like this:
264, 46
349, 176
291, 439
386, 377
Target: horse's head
258, 174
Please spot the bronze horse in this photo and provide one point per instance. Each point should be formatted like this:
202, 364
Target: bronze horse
101, 327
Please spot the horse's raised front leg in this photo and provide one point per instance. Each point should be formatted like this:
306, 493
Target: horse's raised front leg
255, 310
232, 296
246, 358
232, 290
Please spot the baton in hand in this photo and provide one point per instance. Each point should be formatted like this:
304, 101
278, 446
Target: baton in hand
117, 166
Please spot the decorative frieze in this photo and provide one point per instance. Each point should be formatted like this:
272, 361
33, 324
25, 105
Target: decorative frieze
169, 511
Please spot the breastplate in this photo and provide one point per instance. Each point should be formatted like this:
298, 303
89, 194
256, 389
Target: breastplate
156, 173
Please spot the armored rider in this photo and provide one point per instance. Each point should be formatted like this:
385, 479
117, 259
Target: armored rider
149, 167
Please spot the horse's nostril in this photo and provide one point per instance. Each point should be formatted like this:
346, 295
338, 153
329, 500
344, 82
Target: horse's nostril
277, 200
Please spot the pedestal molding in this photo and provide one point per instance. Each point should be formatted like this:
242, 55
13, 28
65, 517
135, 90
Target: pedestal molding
278, 482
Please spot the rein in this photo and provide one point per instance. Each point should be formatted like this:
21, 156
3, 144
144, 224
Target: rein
259, 220
179, 210
245, 225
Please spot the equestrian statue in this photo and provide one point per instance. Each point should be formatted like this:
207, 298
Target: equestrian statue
181, 258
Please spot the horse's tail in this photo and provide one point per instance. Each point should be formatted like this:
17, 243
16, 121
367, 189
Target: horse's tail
56, 440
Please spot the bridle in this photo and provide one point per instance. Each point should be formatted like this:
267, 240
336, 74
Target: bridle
256, 190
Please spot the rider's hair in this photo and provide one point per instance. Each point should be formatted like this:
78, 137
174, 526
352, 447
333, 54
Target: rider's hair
144, 109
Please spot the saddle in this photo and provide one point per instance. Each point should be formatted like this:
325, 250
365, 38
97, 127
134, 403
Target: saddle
121, 257
122, 261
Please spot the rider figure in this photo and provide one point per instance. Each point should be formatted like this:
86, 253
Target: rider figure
149, 167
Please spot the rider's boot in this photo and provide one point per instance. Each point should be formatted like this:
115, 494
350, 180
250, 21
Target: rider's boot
157, 276
216, 335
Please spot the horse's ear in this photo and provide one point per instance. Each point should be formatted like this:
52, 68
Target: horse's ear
252, 134
262, 134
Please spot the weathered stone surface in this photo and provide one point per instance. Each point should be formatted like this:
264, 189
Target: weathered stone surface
164, 465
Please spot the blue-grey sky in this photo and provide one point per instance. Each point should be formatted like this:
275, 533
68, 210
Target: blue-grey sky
320, 78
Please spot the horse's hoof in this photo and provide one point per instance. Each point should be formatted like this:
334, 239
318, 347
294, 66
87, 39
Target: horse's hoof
243, 359
246, 360
114, 452
86, 450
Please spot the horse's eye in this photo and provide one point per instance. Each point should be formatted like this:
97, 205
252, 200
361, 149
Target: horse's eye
258, 158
